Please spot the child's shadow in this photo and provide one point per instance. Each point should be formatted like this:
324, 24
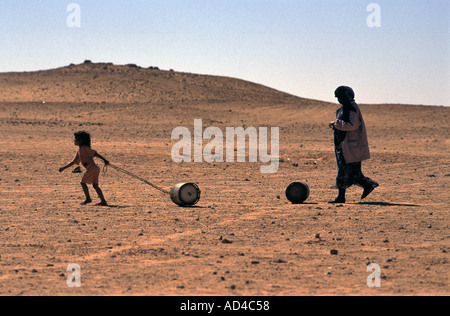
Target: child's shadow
115, 206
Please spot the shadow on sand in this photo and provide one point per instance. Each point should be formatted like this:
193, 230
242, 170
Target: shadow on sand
113, 206
387, 204
191, 206
127, 206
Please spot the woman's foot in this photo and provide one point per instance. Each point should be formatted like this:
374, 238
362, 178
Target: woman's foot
341, 197
367, 191
86, 202
338, 200
103, 203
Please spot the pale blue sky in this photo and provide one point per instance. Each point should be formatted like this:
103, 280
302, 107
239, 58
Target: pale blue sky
306, 48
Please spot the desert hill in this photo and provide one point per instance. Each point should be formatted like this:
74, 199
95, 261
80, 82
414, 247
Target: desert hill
109, 83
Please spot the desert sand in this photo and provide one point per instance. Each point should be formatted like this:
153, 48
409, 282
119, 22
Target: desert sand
143, 244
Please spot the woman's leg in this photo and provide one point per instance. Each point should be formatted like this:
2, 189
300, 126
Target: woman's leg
368, 185
340, 198
341, 185
342, 177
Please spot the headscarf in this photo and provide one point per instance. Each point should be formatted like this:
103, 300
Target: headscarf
346, 97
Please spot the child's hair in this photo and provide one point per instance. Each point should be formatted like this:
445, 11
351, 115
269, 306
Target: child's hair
84, 138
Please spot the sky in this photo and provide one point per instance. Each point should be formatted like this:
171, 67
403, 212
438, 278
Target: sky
397, 51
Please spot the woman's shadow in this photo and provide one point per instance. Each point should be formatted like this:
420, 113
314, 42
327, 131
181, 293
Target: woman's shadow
387, 204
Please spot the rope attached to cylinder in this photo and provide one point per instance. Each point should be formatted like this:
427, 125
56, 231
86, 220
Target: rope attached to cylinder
137, 177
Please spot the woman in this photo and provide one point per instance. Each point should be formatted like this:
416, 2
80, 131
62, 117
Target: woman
351, 145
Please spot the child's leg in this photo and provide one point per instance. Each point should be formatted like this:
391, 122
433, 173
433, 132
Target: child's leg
86, 192
100, 195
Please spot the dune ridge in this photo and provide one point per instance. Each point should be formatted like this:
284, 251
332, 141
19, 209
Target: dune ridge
106, 82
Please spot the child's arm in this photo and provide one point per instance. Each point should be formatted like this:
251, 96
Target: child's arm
74, 162
102, 158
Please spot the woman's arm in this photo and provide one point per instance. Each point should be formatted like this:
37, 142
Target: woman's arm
353, 125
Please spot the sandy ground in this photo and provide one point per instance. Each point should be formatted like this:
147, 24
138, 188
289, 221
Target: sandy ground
143, 244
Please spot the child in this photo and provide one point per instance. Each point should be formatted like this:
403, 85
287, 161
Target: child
85, 156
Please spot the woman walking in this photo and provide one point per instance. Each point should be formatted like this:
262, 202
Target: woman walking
351, 145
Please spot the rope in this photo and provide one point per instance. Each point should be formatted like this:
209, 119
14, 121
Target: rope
137, 177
